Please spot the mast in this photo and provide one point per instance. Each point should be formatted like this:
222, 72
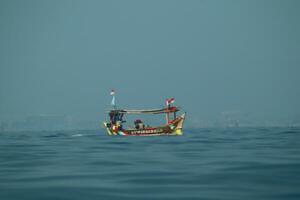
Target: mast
168, 106
167, 113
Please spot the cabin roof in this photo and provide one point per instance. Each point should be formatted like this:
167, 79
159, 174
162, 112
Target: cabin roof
147, 111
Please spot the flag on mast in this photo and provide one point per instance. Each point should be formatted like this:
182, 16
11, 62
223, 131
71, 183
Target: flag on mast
112, 92
113, 101
169, 101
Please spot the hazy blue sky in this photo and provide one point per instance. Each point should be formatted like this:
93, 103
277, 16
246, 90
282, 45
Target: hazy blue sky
63, 57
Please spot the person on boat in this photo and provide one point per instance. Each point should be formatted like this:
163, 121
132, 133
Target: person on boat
139, 124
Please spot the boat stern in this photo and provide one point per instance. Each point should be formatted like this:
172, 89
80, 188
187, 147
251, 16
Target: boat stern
108, 129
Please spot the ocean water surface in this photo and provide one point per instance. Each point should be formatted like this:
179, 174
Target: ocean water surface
235, 163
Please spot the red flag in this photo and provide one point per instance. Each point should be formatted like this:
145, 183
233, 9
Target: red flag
169, 101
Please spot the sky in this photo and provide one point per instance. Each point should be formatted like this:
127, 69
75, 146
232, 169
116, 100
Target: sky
64, 57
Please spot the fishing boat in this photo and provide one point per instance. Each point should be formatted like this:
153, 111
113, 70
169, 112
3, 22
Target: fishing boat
172, 126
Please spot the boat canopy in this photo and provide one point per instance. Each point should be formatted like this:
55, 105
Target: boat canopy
148, 111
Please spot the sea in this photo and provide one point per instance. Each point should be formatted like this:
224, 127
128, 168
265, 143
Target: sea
208, 163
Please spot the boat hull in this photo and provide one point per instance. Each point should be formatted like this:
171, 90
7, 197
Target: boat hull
173, 128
